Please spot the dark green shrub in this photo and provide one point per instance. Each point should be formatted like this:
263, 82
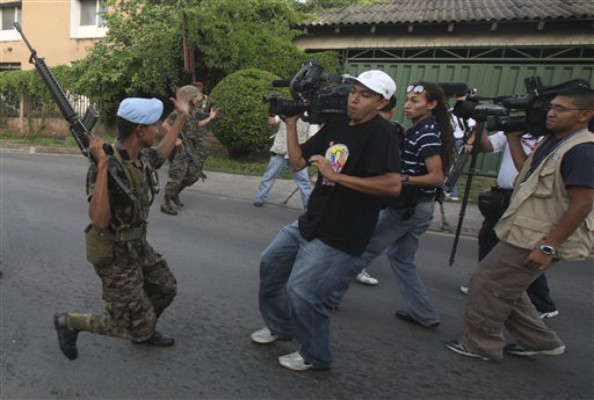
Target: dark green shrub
242, 124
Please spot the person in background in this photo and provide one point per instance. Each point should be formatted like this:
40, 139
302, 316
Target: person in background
279, 159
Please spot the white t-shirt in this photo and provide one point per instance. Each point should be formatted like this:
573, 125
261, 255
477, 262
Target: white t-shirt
507, 171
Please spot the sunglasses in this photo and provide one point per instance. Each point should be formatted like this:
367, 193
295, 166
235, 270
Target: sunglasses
415, 88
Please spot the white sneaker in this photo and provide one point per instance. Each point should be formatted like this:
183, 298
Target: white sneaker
549, 314
294, 362
366, 279
264, 336
464, 289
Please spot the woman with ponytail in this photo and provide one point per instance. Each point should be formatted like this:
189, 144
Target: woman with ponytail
427, 150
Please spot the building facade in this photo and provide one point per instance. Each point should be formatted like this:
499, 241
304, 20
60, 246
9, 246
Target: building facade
62, 31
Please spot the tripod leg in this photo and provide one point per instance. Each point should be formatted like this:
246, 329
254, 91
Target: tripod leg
291, 195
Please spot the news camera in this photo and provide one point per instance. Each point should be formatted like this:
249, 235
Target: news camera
526, 113
314, 92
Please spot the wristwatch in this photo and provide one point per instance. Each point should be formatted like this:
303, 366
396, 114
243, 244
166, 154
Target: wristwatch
548, 250
404, 179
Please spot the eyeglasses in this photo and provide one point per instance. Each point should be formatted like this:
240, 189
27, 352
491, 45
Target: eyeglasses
415, 88
561, 109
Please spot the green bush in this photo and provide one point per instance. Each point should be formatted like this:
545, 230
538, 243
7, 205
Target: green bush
242, 124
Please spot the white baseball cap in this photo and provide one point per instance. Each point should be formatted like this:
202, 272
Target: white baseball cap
377, 81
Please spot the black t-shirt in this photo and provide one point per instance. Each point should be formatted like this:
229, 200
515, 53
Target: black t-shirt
577, 168
341, 217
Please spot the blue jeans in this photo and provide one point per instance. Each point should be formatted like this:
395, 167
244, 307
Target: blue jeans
275, 166
401, 238
295, 277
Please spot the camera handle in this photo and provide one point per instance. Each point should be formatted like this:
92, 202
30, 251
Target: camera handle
471, 171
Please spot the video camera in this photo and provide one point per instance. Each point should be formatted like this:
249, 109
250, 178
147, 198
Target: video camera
309, 94
516, 113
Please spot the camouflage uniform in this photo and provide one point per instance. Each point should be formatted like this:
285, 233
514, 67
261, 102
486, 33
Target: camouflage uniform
202, 146
182, 171
137, 282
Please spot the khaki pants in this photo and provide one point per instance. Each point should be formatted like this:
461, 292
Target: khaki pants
497, 298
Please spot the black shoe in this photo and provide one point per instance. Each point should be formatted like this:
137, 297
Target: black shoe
176, 200
404, 316
168, 209
159, 339
66, 337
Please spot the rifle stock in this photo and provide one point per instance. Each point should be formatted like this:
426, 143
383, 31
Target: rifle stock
78, 128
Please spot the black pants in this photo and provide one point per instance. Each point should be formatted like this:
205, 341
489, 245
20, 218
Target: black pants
538, 291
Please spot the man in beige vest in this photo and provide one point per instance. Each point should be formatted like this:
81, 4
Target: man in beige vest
549, 218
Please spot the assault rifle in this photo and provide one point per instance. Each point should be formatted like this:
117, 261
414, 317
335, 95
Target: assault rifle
78, 128
188, 148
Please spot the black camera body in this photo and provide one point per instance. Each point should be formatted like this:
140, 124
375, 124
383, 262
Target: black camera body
310, 96
526, 113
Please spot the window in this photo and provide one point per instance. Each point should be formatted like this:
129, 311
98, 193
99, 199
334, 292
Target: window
86, 19
90, 13
9, 14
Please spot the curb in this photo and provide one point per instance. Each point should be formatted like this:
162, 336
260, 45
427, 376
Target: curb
243, 187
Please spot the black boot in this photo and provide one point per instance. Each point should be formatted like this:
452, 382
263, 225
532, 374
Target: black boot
176, 200
166, 207
66, 336
159, 339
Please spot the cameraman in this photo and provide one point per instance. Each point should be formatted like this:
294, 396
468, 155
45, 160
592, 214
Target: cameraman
549, 218
307, 260
494, 203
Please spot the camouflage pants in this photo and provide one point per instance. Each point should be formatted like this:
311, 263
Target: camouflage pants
183, 172
137, 287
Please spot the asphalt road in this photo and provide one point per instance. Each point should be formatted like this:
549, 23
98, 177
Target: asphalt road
213, 247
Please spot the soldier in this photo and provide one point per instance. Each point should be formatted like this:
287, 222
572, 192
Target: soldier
204, 112
137, 282
185, 170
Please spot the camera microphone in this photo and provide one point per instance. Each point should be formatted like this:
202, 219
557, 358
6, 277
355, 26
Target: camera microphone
454, 88
281, 83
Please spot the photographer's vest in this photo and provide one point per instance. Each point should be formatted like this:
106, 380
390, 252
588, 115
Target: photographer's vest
539, 202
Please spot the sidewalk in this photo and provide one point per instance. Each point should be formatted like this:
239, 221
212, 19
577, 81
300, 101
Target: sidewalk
243, 187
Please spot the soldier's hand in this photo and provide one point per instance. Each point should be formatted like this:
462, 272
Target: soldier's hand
96, 149
179, 143
213, 112
181, 102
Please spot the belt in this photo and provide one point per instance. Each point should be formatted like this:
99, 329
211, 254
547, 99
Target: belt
128, 234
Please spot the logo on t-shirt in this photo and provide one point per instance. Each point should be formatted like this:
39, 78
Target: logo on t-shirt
337, 155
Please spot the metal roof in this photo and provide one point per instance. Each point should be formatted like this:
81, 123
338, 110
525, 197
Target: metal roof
449, 11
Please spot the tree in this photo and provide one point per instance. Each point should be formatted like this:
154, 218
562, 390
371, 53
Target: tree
312, 6
142, 52
242, 124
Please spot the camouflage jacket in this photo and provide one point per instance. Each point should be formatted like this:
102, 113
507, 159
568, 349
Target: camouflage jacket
189, 129
202, 111
125, 212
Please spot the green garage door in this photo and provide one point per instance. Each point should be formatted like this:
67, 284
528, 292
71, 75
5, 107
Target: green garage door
492, 77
